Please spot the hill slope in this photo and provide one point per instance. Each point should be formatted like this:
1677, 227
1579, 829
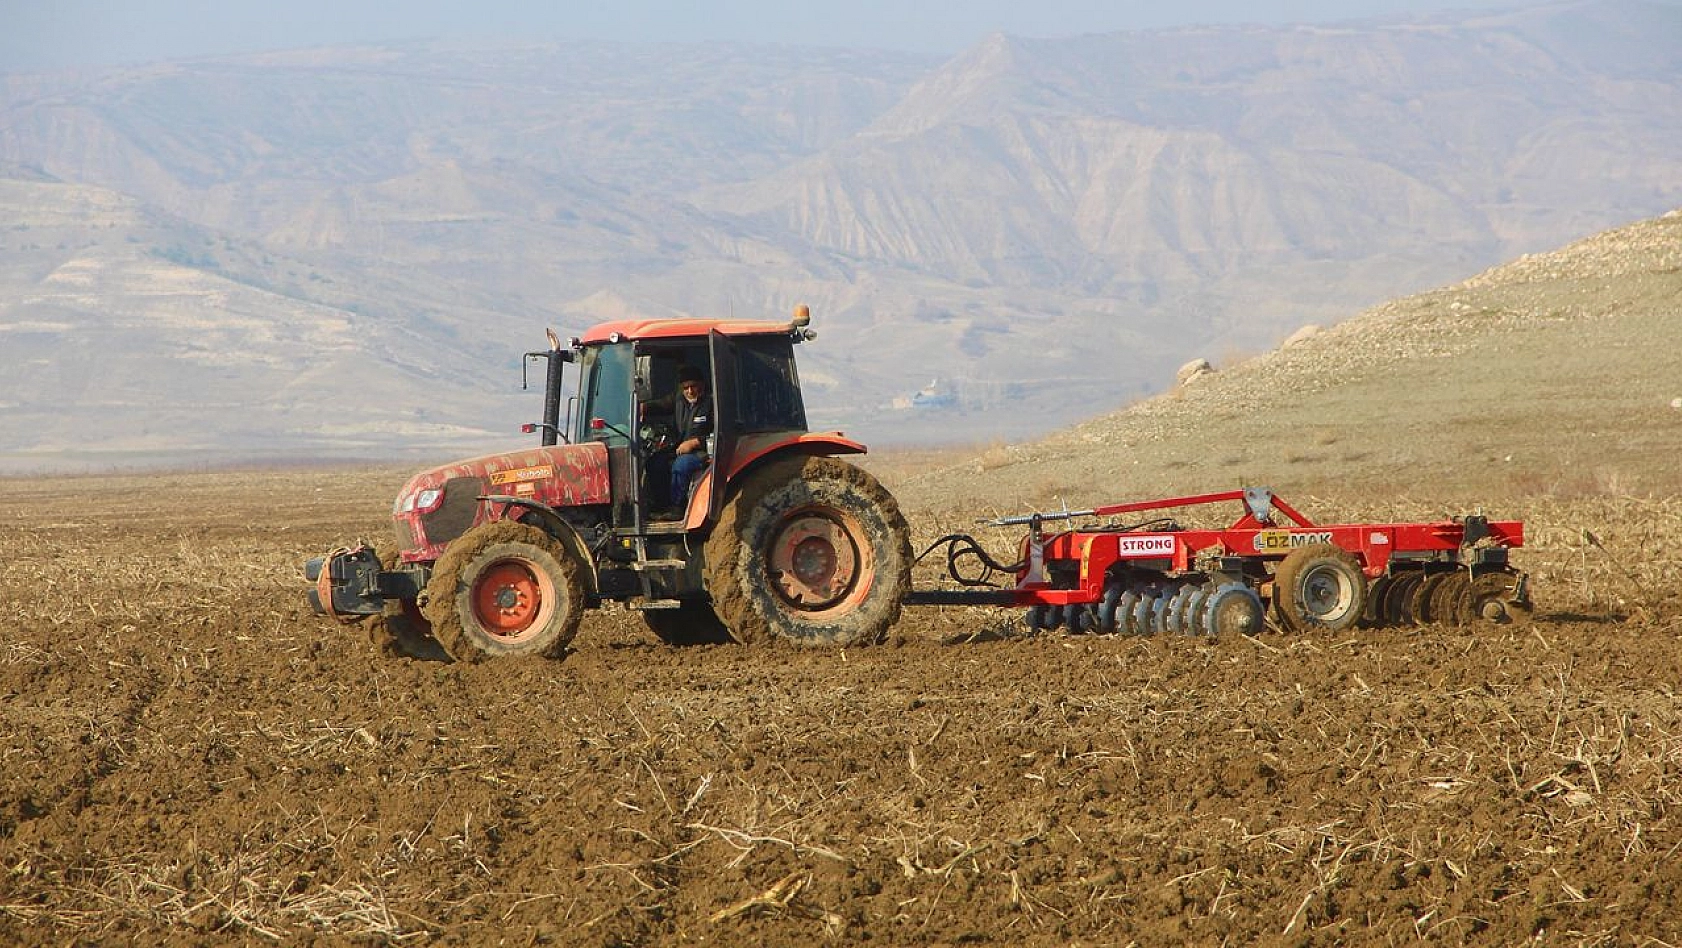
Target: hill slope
1557, 374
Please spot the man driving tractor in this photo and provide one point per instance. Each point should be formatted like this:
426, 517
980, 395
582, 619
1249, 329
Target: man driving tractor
691, 410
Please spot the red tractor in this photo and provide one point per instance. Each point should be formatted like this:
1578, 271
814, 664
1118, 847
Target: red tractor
776, 538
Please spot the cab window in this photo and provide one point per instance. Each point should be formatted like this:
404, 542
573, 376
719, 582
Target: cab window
607, 393
767, 389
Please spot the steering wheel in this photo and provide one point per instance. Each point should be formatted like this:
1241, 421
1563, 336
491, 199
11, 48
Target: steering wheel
656, 437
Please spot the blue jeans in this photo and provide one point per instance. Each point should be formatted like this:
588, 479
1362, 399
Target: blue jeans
685, 468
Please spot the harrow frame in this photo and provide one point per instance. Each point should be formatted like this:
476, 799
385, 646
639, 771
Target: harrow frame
1079, 576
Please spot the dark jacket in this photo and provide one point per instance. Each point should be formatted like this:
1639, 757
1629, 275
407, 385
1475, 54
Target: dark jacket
693, 420
689, 420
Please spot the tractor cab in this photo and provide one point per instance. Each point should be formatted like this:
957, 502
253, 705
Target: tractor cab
628, 393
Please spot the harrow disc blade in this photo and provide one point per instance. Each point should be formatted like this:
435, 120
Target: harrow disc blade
1159, 612
1424, 599
1372, 614
1448, 601
1179, 610
1144, 614
1194, 621
1398, 599
1233, 609
1105, 618
1497, 598
1126, 607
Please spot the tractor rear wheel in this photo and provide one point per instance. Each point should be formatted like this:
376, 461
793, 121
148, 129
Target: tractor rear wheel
505, 589
1320, 587
693, 623
812, 551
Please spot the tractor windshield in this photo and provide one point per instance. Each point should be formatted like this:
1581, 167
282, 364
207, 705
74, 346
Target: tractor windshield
607, 394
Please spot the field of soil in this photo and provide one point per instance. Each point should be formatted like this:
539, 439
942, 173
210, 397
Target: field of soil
188, 757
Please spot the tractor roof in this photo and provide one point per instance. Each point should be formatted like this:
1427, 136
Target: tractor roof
681, 328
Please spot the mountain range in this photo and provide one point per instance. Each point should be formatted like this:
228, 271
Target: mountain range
344, 252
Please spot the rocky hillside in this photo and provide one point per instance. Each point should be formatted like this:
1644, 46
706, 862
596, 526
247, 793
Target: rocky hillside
1556, 374
345, 251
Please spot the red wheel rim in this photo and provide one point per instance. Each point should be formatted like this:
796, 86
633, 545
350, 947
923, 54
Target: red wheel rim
816, 562
512, 599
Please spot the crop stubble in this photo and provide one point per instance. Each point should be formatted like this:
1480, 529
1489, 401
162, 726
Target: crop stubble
188, 756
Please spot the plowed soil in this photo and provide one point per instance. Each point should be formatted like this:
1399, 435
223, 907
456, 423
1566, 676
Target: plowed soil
188, 757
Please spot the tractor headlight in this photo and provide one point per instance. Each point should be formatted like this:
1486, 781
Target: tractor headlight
424, 501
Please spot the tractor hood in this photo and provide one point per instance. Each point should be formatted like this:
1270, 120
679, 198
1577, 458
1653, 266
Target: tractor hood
440, 504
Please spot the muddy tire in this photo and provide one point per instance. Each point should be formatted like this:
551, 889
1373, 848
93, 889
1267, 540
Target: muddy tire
811, 551
401, 629
505, 589
693, 623
1320, 587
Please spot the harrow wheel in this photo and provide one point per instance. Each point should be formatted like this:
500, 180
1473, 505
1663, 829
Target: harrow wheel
1320, 587
505, 589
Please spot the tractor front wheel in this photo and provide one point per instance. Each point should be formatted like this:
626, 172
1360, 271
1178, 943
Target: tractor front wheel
812, 551
505, 589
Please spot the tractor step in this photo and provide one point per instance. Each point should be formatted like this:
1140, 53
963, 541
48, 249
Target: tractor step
649, 604
659, 564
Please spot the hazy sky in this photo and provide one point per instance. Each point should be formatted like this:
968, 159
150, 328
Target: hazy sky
42, 34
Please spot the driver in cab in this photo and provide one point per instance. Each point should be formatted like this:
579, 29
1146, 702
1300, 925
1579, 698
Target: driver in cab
691, 409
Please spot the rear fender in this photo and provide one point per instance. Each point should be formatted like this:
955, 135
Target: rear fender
757, 450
